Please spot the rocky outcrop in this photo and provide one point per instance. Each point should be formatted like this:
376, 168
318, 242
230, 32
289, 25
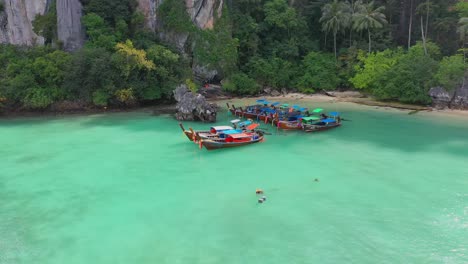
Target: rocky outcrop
149, 10
191, 107
456, 99
203, 12
69, 28
16, 21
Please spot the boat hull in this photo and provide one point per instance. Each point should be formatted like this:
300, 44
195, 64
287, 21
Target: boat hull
288, 125
315, 128
213, 144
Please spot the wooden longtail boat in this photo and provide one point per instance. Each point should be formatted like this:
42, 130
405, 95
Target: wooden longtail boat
314, 125
263, 110
193, 135
232, 140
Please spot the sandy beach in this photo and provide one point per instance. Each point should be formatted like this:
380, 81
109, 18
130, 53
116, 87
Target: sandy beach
355, 98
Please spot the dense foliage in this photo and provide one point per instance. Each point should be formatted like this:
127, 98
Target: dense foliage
394, 50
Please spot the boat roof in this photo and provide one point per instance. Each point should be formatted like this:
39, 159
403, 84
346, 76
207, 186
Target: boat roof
240, 135
317, 110
253, 126
311, 118
295, 107
329, 120
220, 128
235, 121
275, 103
245, 123
334, 113
261, 100
285, 105
233, 131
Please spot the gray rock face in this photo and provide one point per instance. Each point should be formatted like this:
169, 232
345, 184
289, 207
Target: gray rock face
203, 74
149, 10
191, 107
16, 21
203, 12
70, 30
440, 97
457, 99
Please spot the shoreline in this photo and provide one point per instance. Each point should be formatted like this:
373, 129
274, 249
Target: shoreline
342, 97
354, 98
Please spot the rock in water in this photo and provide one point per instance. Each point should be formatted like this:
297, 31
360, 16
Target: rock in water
193, 107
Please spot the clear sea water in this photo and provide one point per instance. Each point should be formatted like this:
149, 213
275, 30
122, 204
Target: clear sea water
130, 188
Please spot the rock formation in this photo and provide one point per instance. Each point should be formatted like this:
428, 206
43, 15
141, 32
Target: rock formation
202, 12
456, 99
191, 107
16, 21
69, 29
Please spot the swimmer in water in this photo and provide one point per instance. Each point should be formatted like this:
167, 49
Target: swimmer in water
259, 191
316, 180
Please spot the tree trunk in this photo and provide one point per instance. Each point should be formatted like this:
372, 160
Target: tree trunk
423, 37
368, 33
427, 18
334, 44
410, 24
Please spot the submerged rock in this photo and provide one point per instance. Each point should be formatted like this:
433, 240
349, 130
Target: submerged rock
193, 107
456, 99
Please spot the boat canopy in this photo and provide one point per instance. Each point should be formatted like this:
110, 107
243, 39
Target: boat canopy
295, 107
329, 120
235, 121
311, 118
317, 110
240, 135
252, 126
334, 114
261, 100
275, 103
284, 105
303, 109
221, 128
230, 132
245, 123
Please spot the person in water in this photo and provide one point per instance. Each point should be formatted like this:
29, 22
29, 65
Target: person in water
259, 191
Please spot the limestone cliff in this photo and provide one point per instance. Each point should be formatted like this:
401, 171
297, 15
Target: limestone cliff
69, 29
203, 12
16, 21
454, 99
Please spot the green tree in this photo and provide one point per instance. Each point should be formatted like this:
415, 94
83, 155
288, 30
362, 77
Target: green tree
336, 17
240, 83
320, 73
367, 18
451, 72
100, 34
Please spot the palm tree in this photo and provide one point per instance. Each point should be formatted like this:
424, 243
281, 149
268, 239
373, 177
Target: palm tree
335, 17
368, 17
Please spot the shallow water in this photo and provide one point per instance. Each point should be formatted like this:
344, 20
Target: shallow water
130, 188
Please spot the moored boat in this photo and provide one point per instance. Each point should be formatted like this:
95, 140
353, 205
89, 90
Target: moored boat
232, 140
192, 135
316, 124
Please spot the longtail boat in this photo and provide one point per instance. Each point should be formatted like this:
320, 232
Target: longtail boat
290, 119
192, 134
263, 110
232, 140
316, 124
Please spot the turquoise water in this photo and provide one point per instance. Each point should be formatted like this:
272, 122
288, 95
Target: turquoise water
130, 188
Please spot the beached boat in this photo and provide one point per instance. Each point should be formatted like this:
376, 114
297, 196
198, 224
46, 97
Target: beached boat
263, 110
231, 140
